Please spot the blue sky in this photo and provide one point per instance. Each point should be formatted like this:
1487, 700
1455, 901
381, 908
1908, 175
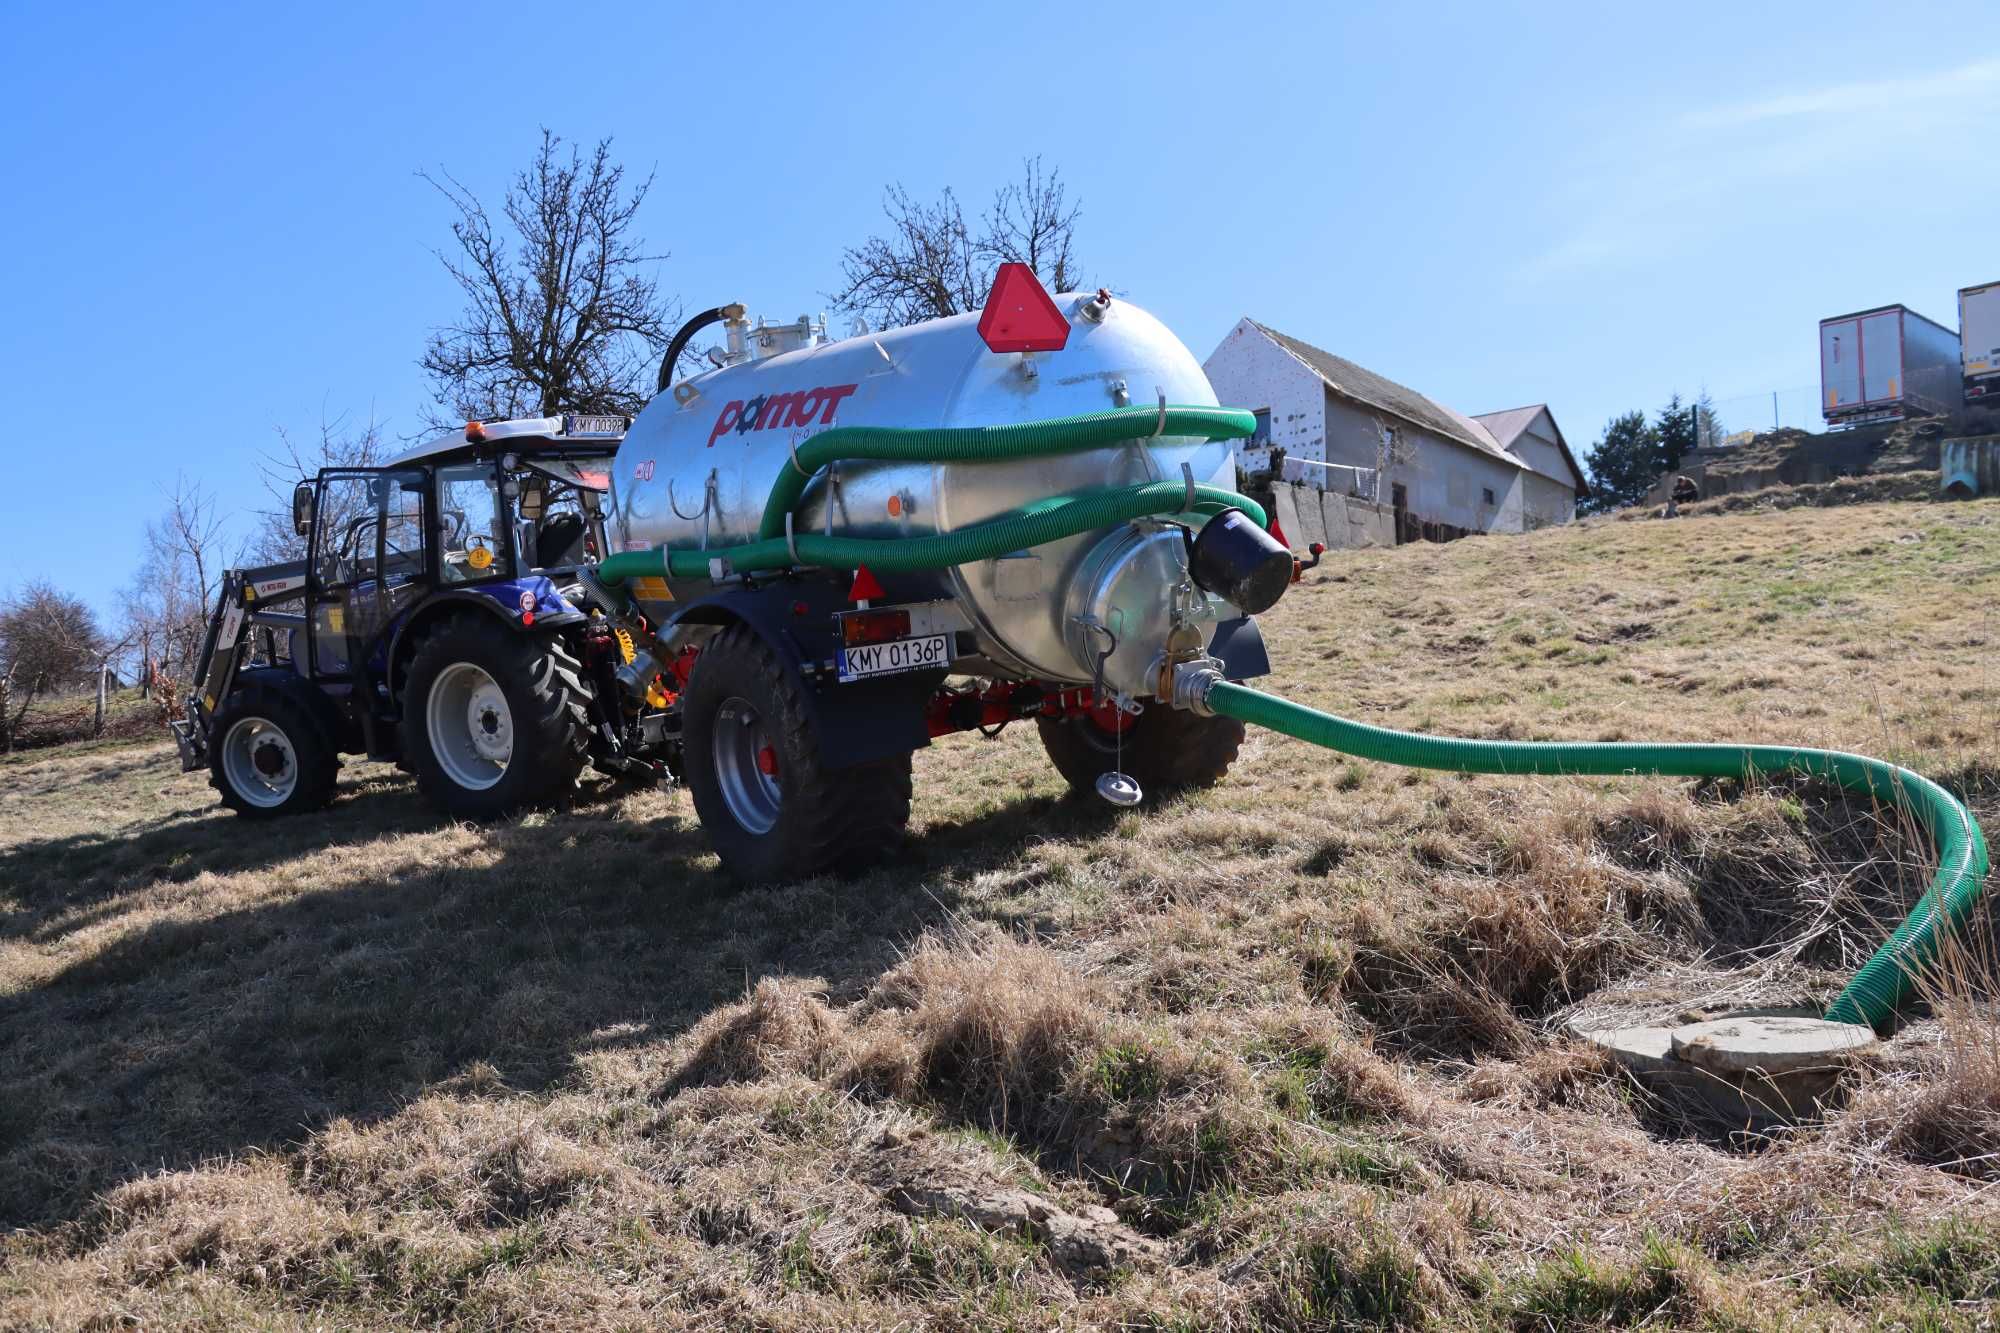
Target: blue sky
214, 228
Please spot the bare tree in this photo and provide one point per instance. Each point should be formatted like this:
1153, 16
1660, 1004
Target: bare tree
1393, 449
275, 541
49, 641
564, 316
167, 604
931, 264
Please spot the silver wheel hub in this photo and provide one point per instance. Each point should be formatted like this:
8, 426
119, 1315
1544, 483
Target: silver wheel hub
260, 763
470, 726
746, 767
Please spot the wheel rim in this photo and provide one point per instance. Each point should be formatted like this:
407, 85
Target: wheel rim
743, 751
260, 762
471, 728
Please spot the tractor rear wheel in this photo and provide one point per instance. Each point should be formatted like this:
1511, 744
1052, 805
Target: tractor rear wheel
1163, 749
269, 755
493, 719
772, 809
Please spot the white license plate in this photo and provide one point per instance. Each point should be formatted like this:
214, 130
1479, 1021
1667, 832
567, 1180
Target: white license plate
886, 659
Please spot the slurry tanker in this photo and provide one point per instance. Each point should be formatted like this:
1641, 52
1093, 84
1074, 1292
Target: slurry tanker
806, 562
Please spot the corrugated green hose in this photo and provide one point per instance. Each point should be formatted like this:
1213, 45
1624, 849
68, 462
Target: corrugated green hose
1033, 524
1888, 979
992, 444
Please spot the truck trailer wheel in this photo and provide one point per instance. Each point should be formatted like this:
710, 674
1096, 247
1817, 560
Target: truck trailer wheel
268, 754
772, 809
1164, 749
493, 718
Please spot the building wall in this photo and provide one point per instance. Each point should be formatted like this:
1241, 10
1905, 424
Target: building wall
1545, 501
1549, 495
1249, 370
1445, 482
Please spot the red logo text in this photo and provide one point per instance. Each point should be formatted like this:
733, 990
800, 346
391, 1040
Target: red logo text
803, 407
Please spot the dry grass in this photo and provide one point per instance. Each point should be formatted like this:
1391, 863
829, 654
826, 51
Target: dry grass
1286, 1054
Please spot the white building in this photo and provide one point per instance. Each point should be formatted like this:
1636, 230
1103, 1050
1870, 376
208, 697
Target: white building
1503, 472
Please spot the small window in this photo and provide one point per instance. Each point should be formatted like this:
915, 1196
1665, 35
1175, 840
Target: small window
1260, 438
1486, 496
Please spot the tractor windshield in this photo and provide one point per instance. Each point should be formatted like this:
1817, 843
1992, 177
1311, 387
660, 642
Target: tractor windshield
472, 524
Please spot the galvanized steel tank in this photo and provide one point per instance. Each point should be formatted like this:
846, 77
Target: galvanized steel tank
696, 466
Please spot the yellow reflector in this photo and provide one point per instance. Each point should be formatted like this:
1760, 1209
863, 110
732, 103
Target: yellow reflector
652, 589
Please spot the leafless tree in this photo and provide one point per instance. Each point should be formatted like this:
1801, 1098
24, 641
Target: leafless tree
167, 604
931, 264
1393, 449
562, 313
275, 541
49, 641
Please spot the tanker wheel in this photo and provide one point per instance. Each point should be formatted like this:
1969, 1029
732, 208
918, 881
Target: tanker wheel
772, 808
1164, 749
269, 755
493, 719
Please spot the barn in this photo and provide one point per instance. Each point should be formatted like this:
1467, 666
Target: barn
1343, 427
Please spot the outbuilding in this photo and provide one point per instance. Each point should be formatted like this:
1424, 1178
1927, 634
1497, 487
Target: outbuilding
1343, 427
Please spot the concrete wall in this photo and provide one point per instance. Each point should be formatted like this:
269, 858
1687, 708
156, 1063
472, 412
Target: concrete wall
1339, 522
1249, 370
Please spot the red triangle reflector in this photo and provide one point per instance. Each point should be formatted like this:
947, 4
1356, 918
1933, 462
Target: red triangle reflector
1020, 316
867, 588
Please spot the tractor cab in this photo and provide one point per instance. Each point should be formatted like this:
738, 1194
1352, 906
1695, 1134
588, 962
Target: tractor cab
492, 523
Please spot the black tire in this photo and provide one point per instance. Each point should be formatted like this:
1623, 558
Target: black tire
821, 818
546, 717
1164, 749
283, 762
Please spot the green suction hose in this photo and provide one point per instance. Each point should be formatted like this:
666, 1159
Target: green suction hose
988, 444
1888, 979
1034, 524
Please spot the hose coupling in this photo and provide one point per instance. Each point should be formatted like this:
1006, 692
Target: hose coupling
1192, 682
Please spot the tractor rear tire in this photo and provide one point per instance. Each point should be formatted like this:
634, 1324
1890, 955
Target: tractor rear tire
269, 754
494, 719
773, 810
1164, 749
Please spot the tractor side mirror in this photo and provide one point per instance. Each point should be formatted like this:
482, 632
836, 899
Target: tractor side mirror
302, 508
533, 499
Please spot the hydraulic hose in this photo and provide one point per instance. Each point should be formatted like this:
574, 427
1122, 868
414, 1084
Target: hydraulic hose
685, 334
1882, 986
982, 444
1034, 524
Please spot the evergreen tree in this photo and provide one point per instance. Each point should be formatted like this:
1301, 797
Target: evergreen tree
1675, 429
1622, 464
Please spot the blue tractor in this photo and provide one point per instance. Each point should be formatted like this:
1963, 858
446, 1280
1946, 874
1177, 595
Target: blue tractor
441, 618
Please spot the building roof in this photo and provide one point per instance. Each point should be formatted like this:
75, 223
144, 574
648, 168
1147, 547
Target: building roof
1385, 395
1506, 427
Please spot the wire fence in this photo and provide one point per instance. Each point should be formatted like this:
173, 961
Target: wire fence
1733, 420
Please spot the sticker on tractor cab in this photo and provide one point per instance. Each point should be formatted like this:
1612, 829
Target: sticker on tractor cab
802, 407
479, 557
886, 659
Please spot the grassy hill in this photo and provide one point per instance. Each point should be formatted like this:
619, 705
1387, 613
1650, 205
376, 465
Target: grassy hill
1288, 1053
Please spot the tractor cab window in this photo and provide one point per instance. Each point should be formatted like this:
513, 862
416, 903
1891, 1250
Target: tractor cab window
472, 524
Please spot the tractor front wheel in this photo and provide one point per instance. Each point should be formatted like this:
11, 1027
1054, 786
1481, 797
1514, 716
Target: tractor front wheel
494, 719
269, 755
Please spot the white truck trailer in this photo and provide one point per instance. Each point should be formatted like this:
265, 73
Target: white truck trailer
1979, 343
1886, 364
